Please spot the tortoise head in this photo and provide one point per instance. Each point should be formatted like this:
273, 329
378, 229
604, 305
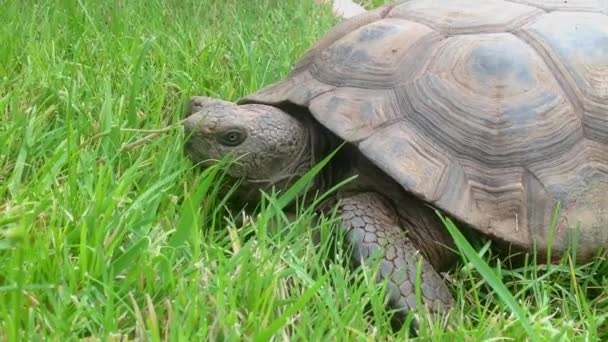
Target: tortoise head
270, 145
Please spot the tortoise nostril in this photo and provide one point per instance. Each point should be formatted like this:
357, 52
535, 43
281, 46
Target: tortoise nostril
193, 108
196, 104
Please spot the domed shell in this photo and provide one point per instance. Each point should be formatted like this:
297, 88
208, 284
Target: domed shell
493, 111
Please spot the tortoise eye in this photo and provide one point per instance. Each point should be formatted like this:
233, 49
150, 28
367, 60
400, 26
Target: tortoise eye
232, 137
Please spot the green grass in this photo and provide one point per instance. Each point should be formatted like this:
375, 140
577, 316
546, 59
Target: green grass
102, 237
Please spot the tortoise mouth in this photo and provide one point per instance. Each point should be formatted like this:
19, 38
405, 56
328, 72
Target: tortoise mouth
192, 143
196, 149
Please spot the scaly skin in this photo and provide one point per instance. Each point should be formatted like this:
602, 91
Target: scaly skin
371, 227
276, 147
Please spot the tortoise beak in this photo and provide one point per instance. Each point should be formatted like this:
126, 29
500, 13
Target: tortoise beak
193, 114
192, 125
195, 125
197, 110
197, 103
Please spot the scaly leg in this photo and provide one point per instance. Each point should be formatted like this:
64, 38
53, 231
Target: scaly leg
372, 226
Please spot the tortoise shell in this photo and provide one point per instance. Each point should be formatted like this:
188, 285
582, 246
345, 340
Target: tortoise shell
493, 111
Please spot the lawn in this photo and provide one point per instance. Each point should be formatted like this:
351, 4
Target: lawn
108, 232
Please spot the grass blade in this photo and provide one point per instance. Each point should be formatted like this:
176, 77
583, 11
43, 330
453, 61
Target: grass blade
489, 275
266, 334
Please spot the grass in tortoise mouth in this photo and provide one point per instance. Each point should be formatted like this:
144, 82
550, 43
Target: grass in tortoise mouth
108, 233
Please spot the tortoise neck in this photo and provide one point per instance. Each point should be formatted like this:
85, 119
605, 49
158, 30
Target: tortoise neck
316, 144
323, 142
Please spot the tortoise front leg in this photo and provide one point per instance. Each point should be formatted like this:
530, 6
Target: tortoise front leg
372, 226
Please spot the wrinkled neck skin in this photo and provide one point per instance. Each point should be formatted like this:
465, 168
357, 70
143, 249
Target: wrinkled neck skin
319, 143
249, 191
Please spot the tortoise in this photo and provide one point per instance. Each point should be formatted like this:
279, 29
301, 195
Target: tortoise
492, 112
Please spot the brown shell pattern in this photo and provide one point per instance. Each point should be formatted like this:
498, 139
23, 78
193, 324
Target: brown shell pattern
493, 110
